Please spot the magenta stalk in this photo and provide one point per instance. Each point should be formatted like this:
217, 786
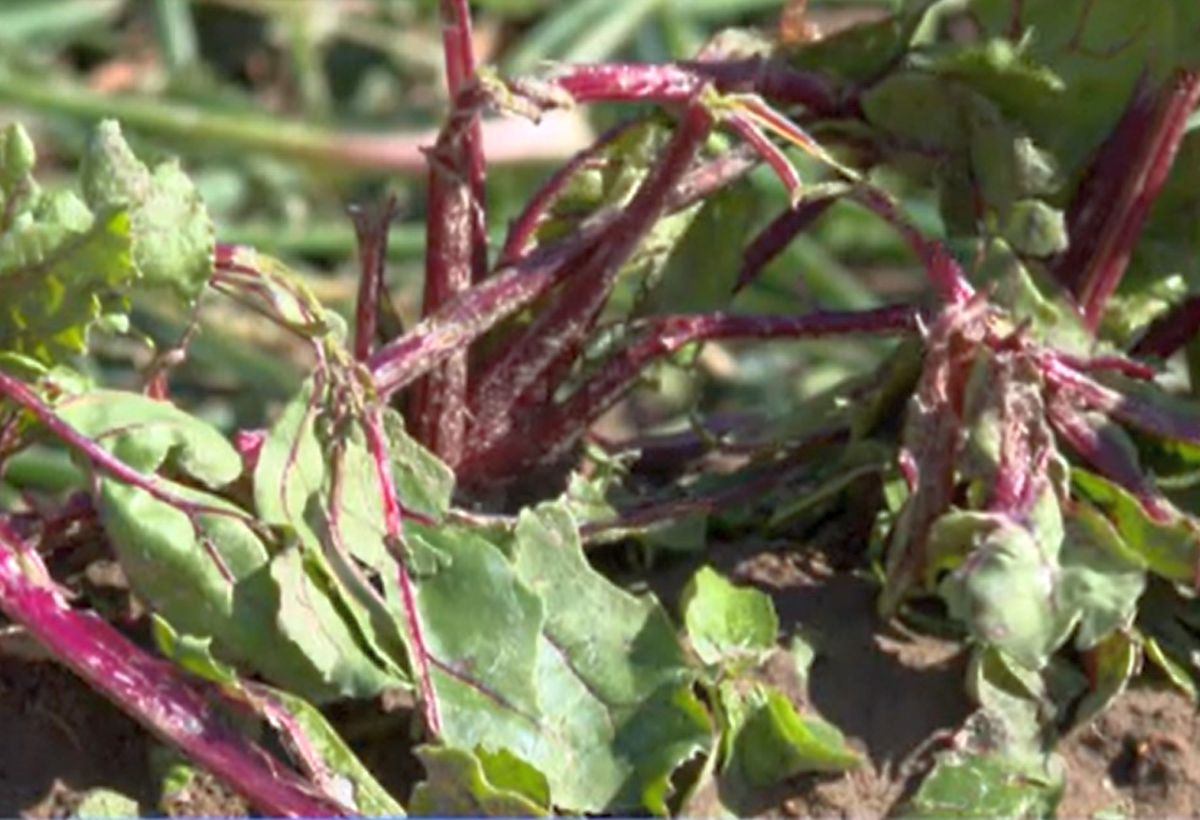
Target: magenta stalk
174, 707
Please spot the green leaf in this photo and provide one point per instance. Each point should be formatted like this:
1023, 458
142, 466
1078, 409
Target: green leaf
458, 785
860, 54
172, 234
1098, 49
17, 159
725, 621
611, 689
1099, 579
323, 653
1168, 548
58, 268
356, 785
107, 803
185, 567
774, 741
1112, 664
502, 648
208, 574
702, 269
191, 653
979, 785
424, 482
1004, 589
291, 466
147, 434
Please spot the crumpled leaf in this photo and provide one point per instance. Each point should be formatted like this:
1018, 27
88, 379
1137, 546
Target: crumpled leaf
58, 268
724, 621
1003, 591
462, 784
66, 265
1026, 596
172, 234
986, 159
998, 764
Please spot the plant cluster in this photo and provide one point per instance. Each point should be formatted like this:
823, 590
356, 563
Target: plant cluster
414, 518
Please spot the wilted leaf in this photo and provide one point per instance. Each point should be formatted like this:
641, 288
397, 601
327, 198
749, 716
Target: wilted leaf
458, 785
1111, 664
357, 786
773, 741
354, 784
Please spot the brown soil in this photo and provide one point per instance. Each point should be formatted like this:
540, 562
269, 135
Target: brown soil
895, 695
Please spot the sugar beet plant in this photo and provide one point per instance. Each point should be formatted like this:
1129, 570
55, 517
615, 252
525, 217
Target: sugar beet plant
414, 519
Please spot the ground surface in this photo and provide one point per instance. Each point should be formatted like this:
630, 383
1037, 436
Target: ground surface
891, 692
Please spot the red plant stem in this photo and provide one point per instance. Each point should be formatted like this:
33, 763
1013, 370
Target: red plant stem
1144, 174
1110, 364
510, 289
553, 432
944, 272
372, 233
523, 228
377, 443
774, 238
755, 483
1096, 446
770, 153
524, 360
174, 707
460, 72
1101, 188
1172, 332
1154, 419
100, 458
456, 238
668, 83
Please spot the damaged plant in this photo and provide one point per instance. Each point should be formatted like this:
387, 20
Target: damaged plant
1037, 497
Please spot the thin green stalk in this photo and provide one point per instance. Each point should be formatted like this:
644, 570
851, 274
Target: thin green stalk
176, 33
602, 40
328, 240
194, 126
